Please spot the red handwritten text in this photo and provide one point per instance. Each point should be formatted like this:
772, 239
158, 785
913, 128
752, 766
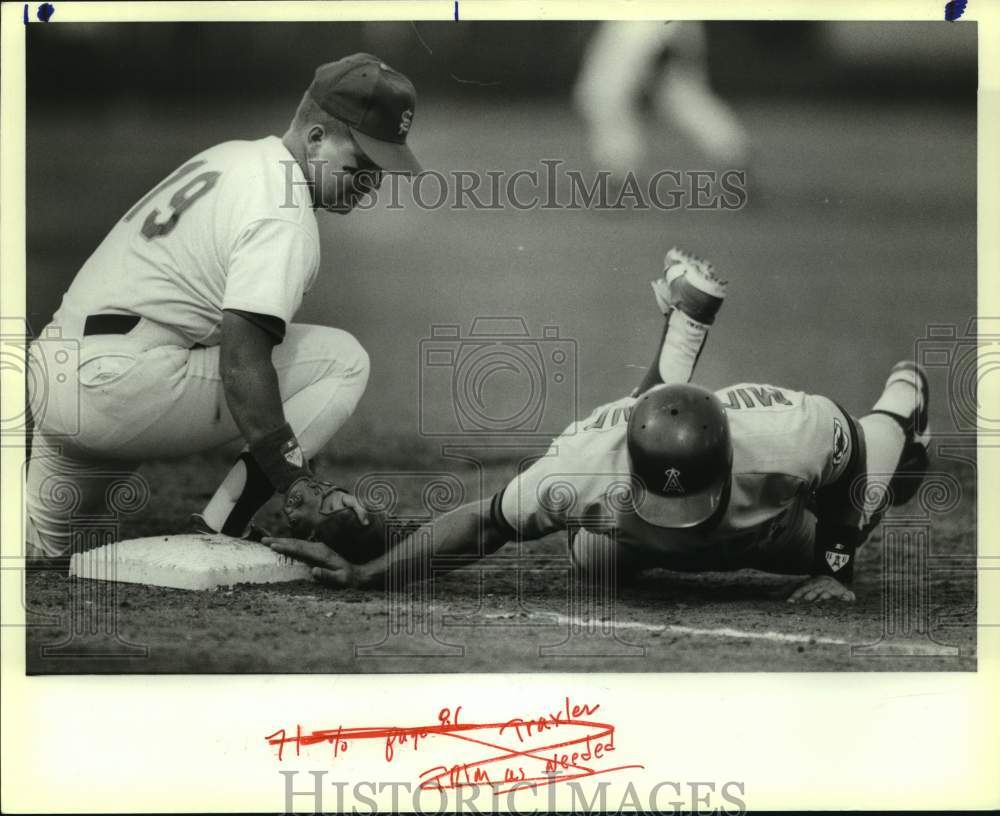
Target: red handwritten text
556, 746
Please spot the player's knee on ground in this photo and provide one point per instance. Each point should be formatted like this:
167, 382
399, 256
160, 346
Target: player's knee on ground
50, 498
597, 557
53, 498
65, 495
41, 545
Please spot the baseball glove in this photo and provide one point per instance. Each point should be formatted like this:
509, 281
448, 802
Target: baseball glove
321, 511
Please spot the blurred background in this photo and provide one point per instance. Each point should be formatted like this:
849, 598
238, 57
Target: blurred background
245, 61
858, 140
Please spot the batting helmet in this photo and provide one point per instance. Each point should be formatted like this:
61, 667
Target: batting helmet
680, 449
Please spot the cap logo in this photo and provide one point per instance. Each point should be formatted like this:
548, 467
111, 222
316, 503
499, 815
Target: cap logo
673, 483
404, 122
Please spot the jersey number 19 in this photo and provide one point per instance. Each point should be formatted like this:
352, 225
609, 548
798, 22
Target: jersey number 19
183, 198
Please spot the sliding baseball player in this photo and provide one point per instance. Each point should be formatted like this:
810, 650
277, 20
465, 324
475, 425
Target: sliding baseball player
675, 476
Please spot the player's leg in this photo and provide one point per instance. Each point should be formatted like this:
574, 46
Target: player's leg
69, 478
690, 295
322, 374
180, 404
685, 100
897, 437
617, 62
64, 490
139, 401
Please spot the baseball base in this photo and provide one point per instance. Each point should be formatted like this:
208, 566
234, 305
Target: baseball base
191, 561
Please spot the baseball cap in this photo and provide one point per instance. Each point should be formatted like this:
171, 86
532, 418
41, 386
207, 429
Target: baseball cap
680, 449
377, 104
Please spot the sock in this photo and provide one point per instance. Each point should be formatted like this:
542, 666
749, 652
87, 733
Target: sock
682, 345
652, 376
900, 396
884, 439
242, 493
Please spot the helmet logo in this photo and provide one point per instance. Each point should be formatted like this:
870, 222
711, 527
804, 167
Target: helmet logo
673, 483
404, 121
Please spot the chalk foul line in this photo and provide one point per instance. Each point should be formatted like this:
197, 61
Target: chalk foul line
725, 632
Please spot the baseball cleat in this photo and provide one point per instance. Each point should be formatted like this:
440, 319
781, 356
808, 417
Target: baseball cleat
914, 460
690, 285
197, 524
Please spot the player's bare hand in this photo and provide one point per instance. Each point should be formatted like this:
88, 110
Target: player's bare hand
314, 553
328, 567
821, 588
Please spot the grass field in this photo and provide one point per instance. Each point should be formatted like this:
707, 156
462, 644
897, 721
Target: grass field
859, 234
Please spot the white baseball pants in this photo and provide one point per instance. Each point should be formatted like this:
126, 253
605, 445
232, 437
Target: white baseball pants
144, 396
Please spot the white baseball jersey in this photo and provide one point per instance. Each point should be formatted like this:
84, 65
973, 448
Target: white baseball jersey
786, 444
233, 228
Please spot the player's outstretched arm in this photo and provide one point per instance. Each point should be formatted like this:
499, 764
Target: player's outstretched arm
466, 531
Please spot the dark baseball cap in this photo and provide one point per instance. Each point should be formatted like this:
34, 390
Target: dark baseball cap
376, 102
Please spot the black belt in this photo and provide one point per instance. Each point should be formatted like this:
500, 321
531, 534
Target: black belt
109, 324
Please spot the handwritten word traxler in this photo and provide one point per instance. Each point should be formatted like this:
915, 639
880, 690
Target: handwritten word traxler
524, 728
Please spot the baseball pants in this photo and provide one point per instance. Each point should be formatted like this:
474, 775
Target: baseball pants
144, 396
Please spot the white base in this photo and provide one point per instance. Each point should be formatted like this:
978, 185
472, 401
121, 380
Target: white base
193, 561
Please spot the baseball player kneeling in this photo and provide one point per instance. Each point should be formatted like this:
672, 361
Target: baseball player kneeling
183, 316
675, 476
